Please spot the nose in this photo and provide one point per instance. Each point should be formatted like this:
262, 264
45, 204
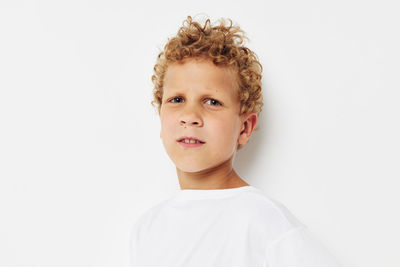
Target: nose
190, 117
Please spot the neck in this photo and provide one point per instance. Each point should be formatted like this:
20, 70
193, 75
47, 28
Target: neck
222, 176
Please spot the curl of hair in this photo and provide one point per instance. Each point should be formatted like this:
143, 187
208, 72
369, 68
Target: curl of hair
223, 45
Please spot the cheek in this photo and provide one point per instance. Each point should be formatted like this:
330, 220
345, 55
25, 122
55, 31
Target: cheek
227, 129
166, 126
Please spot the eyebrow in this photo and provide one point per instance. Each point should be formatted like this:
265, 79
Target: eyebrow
207, 89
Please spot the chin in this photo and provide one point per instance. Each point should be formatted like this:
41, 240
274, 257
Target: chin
192, 165
189, 168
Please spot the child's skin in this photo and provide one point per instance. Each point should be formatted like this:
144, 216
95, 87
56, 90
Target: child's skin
201, 100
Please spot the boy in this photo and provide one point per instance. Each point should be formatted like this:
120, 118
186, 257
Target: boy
207, 87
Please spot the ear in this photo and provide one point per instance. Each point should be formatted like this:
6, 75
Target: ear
248, 124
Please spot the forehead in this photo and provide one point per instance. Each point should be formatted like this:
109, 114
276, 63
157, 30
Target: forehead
200, 75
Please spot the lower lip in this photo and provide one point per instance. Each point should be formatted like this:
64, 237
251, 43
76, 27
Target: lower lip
190, 144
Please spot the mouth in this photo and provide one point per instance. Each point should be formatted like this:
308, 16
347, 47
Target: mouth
189, 141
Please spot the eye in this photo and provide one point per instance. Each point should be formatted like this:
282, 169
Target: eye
178, 98
214, 102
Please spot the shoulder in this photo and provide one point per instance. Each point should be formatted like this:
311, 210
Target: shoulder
260, 203
148, 215
266, 211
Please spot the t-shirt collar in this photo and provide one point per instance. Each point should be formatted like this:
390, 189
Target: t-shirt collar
193, 194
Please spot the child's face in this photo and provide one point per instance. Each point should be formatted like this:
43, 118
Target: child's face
190, 108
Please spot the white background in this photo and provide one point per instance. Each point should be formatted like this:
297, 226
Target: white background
80, 153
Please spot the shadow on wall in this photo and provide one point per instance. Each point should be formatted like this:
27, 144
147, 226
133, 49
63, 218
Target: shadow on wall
254, 151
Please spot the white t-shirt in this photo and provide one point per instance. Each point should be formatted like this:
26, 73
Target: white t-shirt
235, 227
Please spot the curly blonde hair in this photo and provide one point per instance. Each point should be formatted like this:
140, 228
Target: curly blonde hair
223, 45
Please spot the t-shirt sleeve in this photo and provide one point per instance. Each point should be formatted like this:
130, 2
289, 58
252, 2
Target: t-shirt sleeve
299, 248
